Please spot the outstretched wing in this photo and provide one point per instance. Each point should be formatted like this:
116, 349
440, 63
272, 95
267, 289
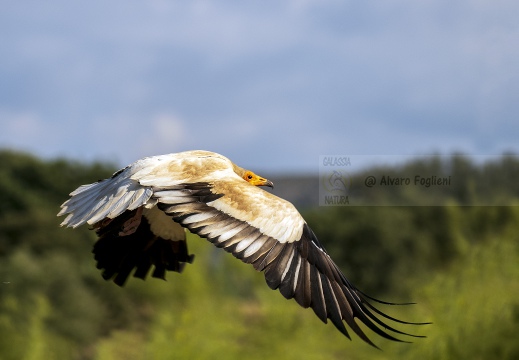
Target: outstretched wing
300, 268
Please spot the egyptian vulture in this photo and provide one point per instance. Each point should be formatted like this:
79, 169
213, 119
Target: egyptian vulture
140, 215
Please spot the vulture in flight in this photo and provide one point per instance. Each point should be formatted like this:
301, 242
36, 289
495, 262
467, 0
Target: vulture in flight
142, 212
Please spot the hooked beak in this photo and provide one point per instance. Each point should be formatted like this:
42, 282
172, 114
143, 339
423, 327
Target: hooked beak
268, 183
256, 180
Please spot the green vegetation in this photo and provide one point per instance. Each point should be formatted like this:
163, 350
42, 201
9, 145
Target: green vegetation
460, 264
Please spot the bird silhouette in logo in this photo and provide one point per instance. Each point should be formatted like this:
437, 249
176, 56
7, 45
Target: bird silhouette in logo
336, 182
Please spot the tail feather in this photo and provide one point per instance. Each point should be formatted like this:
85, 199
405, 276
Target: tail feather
118, 253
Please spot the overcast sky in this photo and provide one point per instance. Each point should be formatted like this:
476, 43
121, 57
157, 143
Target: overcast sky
271, 84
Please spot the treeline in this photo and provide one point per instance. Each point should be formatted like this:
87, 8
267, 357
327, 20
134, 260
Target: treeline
461, 264
438, 180
46, 272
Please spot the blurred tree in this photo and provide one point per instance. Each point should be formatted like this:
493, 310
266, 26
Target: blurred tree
461, 263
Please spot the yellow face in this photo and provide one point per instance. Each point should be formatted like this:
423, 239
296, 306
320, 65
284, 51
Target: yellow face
256, 180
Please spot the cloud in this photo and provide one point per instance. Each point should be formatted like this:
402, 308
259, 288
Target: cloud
123, 138
168, 132
304, 77
24, 130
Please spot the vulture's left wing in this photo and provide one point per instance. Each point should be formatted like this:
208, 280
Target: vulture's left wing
272, 236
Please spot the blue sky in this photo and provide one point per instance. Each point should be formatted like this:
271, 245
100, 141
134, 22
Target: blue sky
271, 84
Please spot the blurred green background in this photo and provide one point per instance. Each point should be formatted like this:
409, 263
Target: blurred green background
460, 264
